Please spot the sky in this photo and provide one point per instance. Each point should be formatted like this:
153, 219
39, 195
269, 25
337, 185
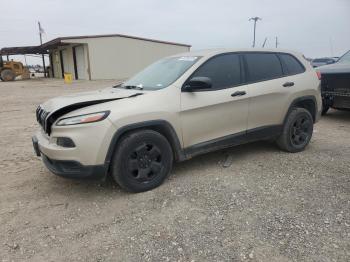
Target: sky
317, 28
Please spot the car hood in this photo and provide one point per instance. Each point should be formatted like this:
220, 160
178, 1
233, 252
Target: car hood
337, 68
89, 98
51, 110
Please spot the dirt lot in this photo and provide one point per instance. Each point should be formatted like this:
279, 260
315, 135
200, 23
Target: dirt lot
266, 206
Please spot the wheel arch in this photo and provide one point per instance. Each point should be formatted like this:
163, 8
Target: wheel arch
161, 126
307, 102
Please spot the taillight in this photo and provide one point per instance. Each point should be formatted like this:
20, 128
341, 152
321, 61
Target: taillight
319, 75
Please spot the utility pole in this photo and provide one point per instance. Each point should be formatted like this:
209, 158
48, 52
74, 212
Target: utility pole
41, 31
276, 42
331, 46
255, 19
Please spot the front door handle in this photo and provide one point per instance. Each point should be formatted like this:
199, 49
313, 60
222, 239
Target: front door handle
288, 84
239, 93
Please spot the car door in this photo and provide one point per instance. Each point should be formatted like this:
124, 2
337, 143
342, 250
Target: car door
212, 114
268, 90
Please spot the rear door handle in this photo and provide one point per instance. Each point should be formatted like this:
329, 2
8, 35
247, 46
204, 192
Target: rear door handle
288, 84
239, 93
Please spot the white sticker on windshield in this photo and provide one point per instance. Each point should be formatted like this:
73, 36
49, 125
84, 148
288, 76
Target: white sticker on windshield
188, 58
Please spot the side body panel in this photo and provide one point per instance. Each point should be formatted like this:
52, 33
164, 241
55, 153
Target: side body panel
270, 100
212, 114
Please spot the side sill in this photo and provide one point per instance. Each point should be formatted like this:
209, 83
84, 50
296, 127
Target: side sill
256, 134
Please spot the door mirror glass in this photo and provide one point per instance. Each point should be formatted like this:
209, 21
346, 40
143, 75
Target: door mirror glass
198, 83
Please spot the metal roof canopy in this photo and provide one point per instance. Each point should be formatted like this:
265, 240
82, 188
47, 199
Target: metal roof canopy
60, 41
23, 50
64, 40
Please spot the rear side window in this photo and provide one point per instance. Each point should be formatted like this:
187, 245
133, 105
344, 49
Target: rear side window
291, 65
263, 66
223, 70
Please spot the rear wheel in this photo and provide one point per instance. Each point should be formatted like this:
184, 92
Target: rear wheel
7, 75
297, 131
143, 159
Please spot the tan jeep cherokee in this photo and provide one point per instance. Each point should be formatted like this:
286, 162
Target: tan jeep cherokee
177, 108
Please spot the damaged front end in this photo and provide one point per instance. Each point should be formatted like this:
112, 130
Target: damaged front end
47, 118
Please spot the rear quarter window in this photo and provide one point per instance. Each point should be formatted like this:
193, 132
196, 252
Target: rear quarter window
263, 66
291, 65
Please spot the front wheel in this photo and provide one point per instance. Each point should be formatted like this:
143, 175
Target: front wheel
143, 159
297, 131
7, 75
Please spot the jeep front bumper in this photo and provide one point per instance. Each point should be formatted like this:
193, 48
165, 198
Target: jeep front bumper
86, 159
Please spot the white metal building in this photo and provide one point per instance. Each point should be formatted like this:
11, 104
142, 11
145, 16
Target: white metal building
106, 56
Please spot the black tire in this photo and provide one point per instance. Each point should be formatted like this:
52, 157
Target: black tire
143, 159
297, 131
7, 75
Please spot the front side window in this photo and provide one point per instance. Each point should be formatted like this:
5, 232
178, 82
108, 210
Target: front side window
223, 70
291, 65
263, 66
162, 73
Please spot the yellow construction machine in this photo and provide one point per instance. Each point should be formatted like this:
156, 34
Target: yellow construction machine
9, 70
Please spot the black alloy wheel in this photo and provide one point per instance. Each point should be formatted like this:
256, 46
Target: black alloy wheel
142, 160
297, 131
300, 131
145, 163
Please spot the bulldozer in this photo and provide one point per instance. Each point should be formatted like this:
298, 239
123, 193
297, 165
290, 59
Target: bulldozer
9, 70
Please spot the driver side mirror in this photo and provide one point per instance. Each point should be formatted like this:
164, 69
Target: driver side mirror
198, 83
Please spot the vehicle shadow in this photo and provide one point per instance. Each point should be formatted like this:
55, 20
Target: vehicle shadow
340, 115
218, 158
91, 189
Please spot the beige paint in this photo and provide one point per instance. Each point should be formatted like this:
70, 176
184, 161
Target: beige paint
196, 117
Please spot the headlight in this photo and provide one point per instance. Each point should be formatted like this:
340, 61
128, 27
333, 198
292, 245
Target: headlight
83, 119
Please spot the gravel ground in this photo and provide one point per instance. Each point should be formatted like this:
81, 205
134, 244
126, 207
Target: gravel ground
251, 202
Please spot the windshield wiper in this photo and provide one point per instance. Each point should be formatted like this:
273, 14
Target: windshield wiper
117, 85
133, 87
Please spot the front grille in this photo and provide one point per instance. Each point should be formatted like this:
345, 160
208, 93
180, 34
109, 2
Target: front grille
41, 117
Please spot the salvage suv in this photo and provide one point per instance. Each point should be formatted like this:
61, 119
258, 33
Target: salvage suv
177, 108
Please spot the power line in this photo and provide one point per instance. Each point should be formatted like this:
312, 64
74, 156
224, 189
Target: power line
264, 42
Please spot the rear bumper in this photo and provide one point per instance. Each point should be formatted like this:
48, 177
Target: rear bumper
70, 168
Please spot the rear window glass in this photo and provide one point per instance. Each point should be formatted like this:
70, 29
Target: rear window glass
263, 66
291, 65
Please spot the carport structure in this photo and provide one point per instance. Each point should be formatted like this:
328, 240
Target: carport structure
22, 50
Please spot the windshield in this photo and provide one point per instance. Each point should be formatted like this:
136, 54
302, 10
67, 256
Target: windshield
162, 73
345, 58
